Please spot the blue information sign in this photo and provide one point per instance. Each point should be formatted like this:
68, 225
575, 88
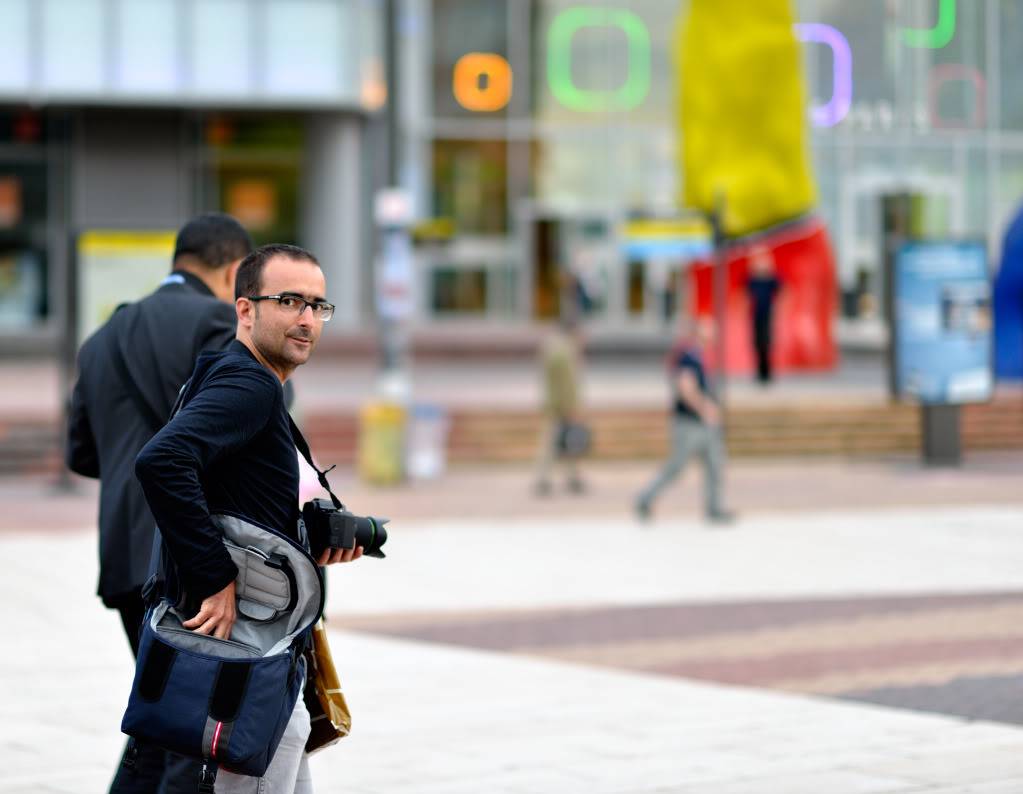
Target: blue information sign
943, 351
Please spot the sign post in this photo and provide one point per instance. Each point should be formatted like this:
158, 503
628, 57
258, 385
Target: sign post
942, 351
383, 421
720, 260
942, 441
395, 289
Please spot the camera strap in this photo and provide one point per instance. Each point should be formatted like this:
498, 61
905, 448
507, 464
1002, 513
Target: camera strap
303, 447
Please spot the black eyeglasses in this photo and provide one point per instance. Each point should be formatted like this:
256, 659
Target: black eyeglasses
295, 304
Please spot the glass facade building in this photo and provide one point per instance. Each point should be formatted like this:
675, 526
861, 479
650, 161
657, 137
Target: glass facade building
119, 119
535, 137
534, 131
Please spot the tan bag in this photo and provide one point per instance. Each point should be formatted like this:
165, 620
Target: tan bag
328, 711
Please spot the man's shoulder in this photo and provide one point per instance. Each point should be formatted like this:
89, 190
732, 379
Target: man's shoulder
215, 312
234, 363
182, 296
89, 349
106, 333
200, 320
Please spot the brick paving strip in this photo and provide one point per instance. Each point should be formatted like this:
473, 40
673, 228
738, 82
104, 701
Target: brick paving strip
775, 486
863, 649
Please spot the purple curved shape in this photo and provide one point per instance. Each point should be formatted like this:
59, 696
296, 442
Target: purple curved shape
842, 82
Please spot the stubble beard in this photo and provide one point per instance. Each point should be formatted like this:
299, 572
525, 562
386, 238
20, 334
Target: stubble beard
276, 352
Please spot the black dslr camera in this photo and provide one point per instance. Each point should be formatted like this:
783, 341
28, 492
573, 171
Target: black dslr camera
337, 528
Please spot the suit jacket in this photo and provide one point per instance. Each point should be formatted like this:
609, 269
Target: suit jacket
130, 372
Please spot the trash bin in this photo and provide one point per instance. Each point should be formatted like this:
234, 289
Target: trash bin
426, 450
381, 443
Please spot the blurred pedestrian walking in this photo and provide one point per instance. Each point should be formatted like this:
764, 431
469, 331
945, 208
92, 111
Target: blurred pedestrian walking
762, 286
129, 375
563, 437
696, 424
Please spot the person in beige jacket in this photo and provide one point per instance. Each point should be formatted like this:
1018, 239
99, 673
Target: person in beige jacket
560, 362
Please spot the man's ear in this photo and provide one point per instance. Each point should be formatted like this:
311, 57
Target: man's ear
244, 310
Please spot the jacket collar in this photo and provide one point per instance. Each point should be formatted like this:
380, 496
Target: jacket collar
239, 347
189, 280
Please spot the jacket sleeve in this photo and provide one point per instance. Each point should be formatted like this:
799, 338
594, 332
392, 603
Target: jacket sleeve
81, 454
228, 411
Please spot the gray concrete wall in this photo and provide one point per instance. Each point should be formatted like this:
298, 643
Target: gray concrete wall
333, 222
131, 169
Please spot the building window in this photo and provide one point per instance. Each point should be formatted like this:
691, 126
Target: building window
253, 172
471, 73
459, 291
470, 185
1010, 25
23, 220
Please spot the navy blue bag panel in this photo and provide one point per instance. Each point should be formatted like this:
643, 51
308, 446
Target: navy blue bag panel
230, 700
228, 708
251, 731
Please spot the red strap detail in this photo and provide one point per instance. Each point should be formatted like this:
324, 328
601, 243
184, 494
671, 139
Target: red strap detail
216, 738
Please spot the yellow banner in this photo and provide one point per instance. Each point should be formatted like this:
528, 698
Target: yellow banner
696, 228
116, 266
115, 242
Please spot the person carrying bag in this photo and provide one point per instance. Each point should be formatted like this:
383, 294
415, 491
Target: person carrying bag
222, 664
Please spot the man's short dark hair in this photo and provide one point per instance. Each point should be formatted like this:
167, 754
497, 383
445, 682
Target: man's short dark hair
214, 239
249, 280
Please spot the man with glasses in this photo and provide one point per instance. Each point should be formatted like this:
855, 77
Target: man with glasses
229, 449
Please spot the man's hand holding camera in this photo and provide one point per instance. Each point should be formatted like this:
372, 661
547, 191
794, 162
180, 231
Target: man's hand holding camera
331, 556
332, 528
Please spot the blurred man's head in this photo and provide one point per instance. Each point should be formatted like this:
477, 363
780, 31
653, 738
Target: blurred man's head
696, 330
281, 305
761, 261
211, 246
706, 330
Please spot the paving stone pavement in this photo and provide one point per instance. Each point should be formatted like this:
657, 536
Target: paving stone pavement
947, 654
435, 718
994, 697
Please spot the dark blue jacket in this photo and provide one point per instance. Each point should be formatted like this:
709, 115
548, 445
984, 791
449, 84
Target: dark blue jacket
228, 450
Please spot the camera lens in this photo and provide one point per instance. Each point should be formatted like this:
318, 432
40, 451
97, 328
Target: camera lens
370, 534
330, 527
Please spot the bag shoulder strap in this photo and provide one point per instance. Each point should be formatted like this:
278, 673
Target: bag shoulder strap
162, 578
159, 573
303, 447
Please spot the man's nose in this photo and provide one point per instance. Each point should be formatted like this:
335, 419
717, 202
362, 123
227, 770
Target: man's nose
306, 316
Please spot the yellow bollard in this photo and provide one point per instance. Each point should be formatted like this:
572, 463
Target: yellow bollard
381, 443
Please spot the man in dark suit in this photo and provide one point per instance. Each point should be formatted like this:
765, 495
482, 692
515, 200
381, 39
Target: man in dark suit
130, 372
